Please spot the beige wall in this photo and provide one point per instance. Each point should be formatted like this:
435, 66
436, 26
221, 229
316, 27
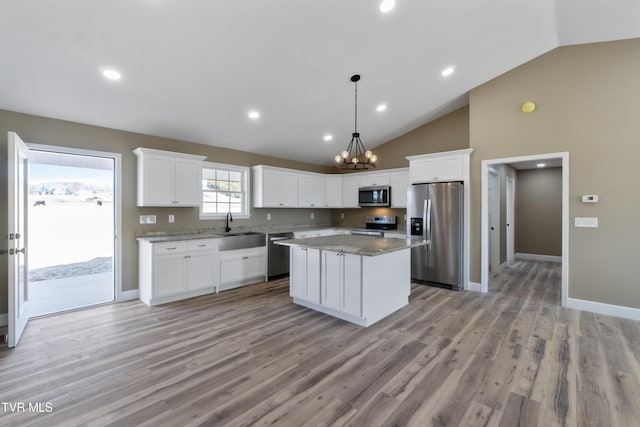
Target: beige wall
450, 132
587, 105
40, 130
538, 211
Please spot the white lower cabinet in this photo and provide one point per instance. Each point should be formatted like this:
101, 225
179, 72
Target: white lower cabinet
242, 267
359, 289
304, 274
342, 282
170, 271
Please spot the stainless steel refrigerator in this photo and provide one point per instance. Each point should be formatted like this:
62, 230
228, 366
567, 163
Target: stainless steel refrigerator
435, 214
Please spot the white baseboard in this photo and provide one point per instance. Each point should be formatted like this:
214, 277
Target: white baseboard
475, 287
4, 319
127, 295
602, 308
536, 257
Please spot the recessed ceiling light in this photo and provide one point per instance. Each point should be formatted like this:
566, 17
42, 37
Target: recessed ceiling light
387, 5
254, 115
541, 165
380, 108
447, 71
111, 74
328, 137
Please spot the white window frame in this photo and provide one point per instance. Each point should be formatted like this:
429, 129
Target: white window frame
246, 171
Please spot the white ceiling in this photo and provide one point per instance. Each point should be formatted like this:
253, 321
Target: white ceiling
193, 68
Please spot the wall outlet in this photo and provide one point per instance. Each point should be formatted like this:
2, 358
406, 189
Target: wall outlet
147, 219
172, 219
269, 217
312, 215
341, 215
405, 217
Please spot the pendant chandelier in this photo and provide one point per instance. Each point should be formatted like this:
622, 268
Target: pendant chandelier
356, 156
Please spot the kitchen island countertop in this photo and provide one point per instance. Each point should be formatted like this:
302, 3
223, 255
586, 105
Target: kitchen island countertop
357, 245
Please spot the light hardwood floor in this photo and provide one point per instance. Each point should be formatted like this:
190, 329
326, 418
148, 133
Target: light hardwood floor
251, 357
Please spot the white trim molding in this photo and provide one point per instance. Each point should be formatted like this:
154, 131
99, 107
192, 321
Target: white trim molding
127, 295
602, 308
4, 319
475, 287
537, 257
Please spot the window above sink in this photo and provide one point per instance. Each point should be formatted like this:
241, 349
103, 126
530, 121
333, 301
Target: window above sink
225, 188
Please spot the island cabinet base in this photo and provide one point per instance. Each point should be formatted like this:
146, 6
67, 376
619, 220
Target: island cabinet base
356, 288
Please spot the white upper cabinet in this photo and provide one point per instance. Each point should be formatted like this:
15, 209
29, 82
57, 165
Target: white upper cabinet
166, 178
311, 191
274, 187
372, 179
445, 166
333, 191
350, 185
399, 181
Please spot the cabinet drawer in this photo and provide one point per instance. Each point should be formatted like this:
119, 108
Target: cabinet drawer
202, 245
169, 248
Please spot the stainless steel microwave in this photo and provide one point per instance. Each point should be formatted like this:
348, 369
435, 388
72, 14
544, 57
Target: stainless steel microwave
374, 196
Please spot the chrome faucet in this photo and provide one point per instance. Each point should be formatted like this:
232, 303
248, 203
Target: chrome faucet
229, 219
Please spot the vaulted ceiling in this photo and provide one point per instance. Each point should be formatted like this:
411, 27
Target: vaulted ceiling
193, 69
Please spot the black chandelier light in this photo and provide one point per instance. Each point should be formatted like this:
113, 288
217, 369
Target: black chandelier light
356, 156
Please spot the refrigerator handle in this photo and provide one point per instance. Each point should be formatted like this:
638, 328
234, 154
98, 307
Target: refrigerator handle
427, 220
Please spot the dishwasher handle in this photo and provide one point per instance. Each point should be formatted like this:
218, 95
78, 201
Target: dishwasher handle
275, 239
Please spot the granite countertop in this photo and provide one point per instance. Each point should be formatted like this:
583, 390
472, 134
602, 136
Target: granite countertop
177, 237
358, 245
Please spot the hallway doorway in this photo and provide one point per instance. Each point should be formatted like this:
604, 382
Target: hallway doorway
511, 223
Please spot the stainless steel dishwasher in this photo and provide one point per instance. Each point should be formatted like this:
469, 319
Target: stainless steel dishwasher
278, 255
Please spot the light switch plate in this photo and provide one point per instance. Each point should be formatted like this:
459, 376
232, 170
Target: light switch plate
313, 215
268, 217
172, 219
586, 222
147, 219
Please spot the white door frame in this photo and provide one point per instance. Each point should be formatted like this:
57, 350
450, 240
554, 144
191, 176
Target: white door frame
511, 217
117, 204
484, 228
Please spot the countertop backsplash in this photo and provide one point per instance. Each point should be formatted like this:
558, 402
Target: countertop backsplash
220, 230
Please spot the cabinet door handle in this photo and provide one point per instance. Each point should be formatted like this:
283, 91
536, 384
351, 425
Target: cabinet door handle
171, 249
436, 177
202, 246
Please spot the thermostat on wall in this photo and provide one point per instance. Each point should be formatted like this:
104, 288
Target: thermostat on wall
589, 198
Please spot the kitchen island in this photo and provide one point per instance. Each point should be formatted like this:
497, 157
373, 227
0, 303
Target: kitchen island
360, 279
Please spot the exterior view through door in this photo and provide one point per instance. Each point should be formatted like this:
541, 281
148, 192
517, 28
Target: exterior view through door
71, 231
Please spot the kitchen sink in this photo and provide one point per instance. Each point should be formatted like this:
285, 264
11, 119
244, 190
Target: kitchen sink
243, 240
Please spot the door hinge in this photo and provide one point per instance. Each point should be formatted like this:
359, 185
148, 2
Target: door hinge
11, 236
